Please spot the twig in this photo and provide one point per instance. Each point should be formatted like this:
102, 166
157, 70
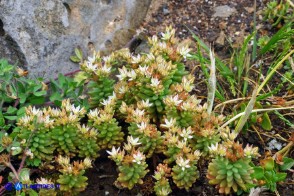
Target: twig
256, 110
67, 74
211, 83
274, 70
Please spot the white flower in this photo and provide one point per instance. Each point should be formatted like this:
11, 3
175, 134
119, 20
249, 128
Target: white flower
110, 100
55, 112
92, 59
64, 161
25, 120
164, 191
249, 151
183, 163
43, 181
168, 123
146, 104
173, 100
136, 59
162, 45
133, 141
93, 114
213, 148
154, 82
35, 111
142, 126
107, 59
123, 73
138, 157
139, 112
73, 118
87, 162
166, 36
150, 57
143, 69
114, 152
29, 153
186, 133
46, 120
187, 84
184, 51
153, 40
122, 90
197, 154
132, 75
105, 69
77, 110
181, 144
90, 66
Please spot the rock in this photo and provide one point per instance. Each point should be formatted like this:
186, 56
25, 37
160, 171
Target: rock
223, 11
221, 38
40, 35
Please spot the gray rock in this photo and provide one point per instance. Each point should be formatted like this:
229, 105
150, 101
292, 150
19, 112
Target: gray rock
41, 35
223, 11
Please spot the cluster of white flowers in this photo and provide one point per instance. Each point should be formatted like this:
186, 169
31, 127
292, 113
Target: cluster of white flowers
251, 152
138, 157
172, 100
184, 164
87, 130
186, 133
168, 123
216, 149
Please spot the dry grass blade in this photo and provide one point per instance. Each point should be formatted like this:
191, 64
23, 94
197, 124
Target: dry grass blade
247, 112
211, 83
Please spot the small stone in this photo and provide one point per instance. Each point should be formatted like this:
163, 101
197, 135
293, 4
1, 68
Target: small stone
165, 11
223, 11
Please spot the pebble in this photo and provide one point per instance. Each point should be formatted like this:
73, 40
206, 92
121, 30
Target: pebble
223, 11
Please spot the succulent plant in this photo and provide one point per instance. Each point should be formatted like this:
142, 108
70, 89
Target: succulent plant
34, 134
206, 130
230, 170
99, 90
72, 180
88, 146
162, 186
185, 172
96, 70
109, 132
140, 127
66, 126
132, 166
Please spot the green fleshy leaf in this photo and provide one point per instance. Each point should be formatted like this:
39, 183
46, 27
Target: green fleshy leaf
258, 173
23, 173
266, 123
280, 177
11, 117
2, 121
288, 163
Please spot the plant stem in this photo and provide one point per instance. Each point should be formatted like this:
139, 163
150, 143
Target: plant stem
274, 70
24, 156
231, 101
13, 170
256, 110
286, 149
